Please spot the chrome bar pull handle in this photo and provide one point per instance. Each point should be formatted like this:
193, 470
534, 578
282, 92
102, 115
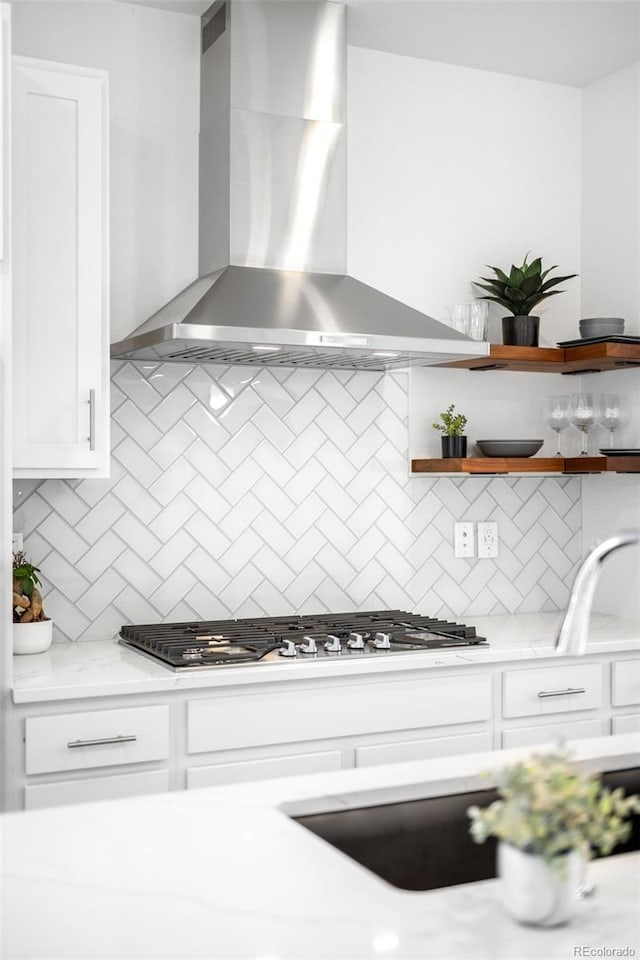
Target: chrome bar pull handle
96, 743
92, 419
561, 693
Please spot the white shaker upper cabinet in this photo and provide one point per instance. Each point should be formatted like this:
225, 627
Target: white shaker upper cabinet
60, 270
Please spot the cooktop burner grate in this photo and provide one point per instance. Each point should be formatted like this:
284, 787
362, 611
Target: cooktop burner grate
217, 643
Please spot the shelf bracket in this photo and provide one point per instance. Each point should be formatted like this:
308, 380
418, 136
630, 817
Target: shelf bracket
491, 366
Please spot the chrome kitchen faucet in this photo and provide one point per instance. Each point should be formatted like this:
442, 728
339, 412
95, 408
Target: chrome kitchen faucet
572, 638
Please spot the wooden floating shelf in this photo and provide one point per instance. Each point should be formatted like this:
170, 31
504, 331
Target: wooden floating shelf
526, 359
502, 465
603, 356
590, 358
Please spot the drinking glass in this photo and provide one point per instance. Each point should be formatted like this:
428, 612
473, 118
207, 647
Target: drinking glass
459, 317
478, 312
583, 418
557, 416
610, 413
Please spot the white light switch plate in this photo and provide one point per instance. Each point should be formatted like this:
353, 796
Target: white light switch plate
463, 545
16, 542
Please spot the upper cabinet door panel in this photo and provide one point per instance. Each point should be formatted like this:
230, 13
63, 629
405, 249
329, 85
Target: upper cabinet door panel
60, 277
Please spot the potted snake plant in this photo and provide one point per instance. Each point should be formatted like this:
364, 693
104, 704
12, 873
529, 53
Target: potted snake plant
32, 629
519, 291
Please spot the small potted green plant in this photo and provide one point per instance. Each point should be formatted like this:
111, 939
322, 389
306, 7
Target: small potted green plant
549, 820
32, 629
519, 292
451, 425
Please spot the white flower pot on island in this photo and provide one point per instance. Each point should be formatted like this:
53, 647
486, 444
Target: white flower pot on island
535, 892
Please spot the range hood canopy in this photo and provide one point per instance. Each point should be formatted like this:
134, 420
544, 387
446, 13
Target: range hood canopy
273, 287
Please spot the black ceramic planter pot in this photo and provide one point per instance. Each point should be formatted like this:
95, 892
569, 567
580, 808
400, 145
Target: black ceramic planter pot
520, 331
454, 447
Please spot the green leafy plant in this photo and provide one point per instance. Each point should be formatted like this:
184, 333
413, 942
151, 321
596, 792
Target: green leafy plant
452, 424
548, 807
524, 287
27, 599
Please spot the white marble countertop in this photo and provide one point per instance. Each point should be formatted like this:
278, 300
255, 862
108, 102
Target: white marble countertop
105, 668
225, 873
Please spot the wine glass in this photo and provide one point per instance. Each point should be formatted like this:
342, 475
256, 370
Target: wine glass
557, 411
583, 418
610, 413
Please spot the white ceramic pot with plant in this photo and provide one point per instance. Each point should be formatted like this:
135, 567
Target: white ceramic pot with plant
549, 821
32, 629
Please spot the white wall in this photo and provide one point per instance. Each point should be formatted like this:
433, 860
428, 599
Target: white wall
498, 405
6, 638
611, 198
153, 61
452, 168
612, 502
611, 287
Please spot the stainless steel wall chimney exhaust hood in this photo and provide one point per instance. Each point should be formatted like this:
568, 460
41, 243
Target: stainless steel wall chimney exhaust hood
273, 287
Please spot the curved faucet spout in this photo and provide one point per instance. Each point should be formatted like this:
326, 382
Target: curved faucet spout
572, 638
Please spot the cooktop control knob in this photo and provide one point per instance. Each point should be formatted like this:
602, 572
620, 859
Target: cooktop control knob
332, 644
356, 641
288, 650
309, 645
382, 641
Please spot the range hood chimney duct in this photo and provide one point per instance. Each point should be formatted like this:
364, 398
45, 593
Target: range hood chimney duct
273, 287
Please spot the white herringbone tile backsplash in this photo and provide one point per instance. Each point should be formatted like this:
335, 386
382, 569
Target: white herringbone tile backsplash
237, 492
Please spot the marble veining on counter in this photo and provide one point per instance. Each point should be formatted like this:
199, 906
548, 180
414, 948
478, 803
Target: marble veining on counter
105, 668
237, 878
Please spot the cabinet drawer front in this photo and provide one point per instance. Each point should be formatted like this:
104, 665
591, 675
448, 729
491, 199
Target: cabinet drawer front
528, 693
422, 749
76, 741
625, 686
41, 795
291, 766
629, 724
550, 733
226, 723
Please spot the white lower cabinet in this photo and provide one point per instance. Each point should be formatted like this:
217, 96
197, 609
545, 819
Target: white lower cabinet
244, 770
423, 749
628, 724
625, 683
557, 689
41, 795
221, 735
105, 738
341, 710
553, 733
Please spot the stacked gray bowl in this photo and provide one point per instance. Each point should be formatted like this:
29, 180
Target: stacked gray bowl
601, 327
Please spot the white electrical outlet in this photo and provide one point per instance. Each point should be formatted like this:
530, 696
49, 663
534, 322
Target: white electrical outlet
487, 540
16, 542
463, 545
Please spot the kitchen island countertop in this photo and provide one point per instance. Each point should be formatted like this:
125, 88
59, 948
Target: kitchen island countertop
225, 873
95, 668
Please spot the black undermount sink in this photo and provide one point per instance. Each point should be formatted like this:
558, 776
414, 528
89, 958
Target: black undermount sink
425, 844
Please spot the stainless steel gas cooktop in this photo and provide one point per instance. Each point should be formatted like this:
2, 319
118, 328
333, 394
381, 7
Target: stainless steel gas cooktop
225, 643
